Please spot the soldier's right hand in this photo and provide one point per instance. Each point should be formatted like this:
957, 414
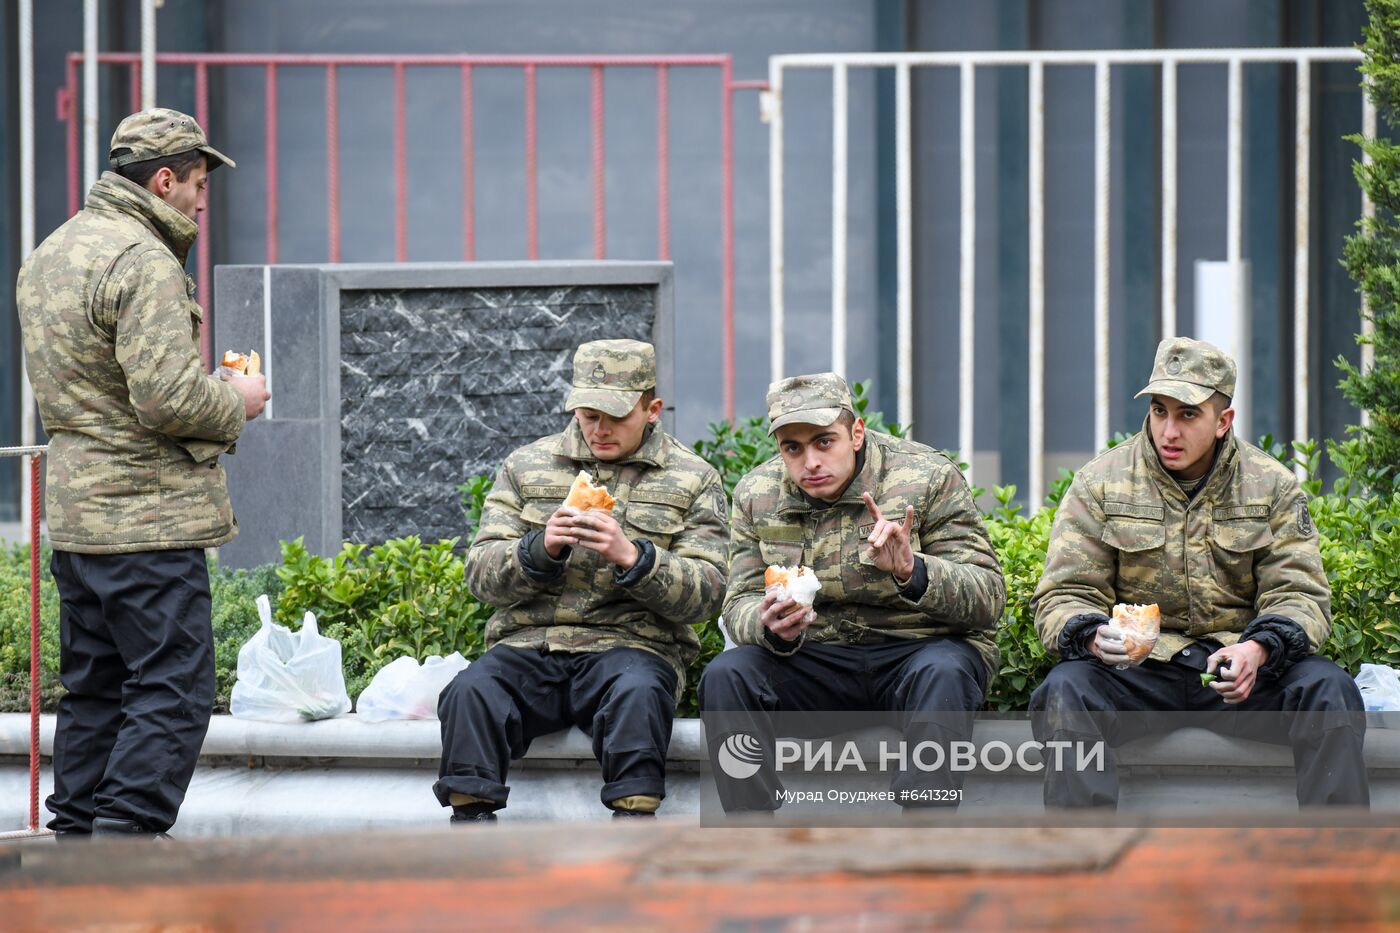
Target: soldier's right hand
785, 619
1109, 647
559, 531
254, 392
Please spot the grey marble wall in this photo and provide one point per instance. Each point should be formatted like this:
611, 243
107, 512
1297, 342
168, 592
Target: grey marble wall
440, 384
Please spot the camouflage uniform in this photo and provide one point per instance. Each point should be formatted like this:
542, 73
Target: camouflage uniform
580, 611
875, 645
135, 490
1234, 559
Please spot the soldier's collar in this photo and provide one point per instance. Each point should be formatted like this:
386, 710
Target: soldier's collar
652, 452
113, 192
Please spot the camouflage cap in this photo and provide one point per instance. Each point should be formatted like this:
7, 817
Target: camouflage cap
816, 398
1190, 371
610, 375
159, 132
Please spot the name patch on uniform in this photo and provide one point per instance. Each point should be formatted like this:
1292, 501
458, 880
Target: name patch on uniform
779, 534
660, 497
544, 492
1228, 512
1152, 513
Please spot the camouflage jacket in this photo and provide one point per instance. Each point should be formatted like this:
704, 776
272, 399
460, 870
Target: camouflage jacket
1239, 559
666, 495
135, 425
774, 523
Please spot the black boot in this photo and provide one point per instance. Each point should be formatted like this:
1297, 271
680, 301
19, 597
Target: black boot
474, 813
104, 826
632, 814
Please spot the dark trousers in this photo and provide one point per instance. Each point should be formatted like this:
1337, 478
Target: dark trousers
1315, 706
623, 699
942, 676
137, 659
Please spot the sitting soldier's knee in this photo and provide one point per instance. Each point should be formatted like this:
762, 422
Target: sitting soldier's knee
1066, 687
727, 675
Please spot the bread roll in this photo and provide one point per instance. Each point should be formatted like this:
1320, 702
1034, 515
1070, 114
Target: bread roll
1140, 626
584, 495
249, 364
799, 584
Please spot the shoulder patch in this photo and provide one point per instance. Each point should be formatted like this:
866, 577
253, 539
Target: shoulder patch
1305, 522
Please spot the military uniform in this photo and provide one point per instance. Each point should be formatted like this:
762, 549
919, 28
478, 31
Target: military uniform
924, 647
575, 640
1234, 559
135, 491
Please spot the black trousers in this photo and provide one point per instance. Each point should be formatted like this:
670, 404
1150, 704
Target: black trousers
622, 698
1314, 706
941, 676
137, 659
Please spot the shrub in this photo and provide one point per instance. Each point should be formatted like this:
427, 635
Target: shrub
14, 630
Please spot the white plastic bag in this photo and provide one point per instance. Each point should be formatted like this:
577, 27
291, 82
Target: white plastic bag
285, 677
1380, 688
404, 690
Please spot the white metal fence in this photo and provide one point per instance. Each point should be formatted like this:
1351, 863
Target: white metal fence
967, 64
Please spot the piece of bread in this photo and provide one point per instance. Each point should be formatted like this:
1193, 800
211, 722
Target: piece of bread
1140, 626
796, 583
584, 495
249, 364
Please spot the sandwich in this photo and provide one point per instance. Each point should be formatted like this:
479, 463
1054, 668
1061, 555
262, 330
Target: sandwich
1140, 626
799, 584
584, 495
244, 364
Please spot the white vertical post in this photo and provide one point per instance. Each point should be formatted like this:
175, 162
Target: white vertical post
148, 54
267, 337
1168, 199
775, 219
1234, 195
1102, 157
27, 427
1301, 220
1036, 238
904, 331
89, 94
1368, 211
838, 218
967, 265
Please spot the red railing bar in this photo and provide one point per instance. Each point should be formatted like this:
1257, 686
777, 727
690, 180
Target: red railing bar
400, 165
135, 83
485, 61
468, 167
532, 193
332, 164
270, 138
727, 224
34, 461
663, 161
755, 85
205, 281
600, 230
71, 100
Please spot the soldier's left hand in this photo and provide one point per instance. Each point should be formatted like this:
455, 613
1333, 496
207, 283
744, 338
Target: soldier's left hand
599, 531
1242, 662
889, 542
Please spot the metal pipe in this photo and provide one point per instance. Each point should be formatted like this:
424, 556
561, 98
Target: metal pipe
90, 113
1301, 219
1036, 303
453, 60
332, 164
1103, 103
401, 165
904, 214
70, 116
34, 643
1368, 213
270, 141
776, 274
135, 88
600, 230
727, 230
148, 54
1168, 273
839, 88
532, 194
202, 262
468, 165
27, 425
1077, 57
967, 265
1234, 190
663, 160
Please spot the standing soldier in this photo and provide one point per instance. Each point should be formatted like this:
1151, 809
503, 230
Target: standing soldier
910, 587
1217, 534
593, 610
135, 488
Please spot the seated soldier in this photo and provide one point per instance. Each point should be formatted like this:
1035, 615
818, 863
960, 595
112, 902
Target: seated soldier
1216, 533
910, 587
593, 609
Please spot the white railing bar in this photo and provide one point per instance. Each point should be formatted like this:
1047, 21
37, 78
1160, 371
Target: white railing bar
839, 151
89, 94
1036, 301
904, 212
967, 265
27, 450
775, 219
1234, 185
1068, 57
27, 426
1102, 161
1168, 200
267, 339
148, 54
1301, 219
1368, 211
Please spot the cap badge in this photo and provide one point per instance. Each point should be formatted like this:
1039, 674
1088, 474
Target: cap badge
599, 373
1174, 366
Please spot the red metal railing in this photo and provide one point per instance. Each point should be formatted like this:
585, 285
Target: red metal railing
36, 456
398, 64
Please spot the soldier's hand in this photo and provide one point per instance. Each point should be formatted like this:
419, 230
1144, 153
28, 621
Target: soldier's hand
1109, 647
599, 531
1238, 667
889, 542
254, 392
787, 618
559, 531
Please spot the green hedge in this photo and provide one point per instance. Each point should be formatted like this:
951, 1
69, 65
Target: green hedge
407, 597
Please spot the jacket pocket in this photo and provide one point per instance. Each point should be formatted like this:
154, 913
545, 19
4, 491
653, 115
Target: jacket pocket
784, 553
1240, 537
1134, 536
657, 523
537, 511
